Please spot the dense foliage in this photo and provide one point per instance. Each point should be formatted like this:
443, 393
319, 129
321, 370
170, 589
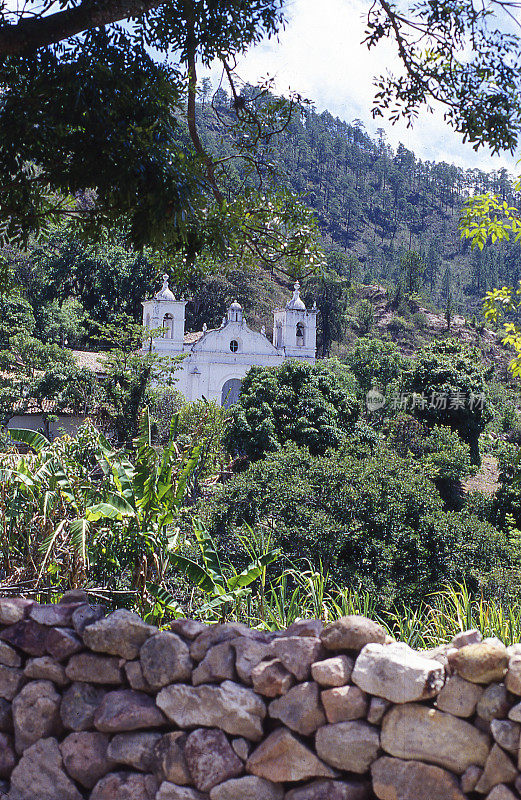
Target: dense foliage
297, 402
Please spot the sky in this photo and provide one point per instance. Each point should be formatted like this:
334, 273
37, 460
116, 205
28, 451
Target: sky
320, 55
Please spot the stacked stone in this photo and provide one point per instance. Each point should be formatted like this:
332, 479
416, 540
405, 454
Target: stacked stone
106, 707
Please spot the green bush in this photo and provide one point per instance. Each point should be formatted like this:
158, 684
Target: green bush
365, 515
311, 405
373, 361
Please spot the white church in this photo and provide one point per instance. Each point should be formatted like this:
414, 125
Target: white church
217, 360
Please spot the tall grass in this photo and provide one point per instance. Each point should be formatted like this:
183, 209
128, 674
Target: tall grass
434, 621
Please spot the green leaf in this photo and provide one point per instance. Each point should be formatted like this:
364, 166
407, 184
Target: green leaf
165, 598
32, 439
253, 571
79, 531
195, 573
113, 507
209, 551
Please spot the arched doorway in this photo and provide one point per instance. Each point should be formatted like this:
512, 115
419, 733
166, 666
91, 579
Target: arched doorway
230, 392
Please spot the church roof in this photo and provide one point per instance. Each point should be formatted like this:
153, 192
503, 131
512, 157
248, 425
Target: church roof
165, 292
193, 337
295, 301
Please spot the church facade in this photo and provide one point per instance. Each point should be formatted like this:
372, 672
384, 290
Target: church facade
215, 361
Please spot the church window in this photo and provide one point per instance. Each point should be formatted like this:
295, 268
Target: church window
168, 326
234, 345
300, 334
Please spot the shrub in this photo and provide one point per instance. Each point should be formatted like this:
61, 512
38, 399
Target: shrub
365, 515
373, 361
311, 405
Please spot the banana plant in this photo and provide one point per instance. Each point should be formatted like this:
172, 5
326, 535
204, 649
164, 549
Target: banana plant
223, 585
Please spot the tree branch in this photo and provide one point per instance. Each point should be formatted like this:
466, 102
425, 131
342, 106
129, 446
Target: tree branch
30, 34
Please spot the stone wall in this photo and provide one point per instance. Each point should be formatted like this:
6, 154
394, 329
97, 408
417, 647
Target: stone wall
106, 707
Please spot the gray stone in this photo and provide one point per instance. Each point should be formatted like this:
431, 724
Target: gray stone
217, 665
27, 636
85, 757
420, 733
248, 654
135, 677
300, 709
282, 758
470, 778
36, 714
298, 653
352, 633
210, 758
169, 791
394, 779
61, 643
11, 681
506, 734
86, 615
135, 750
494, 702
8, 656
169, 760
165, 659
247, 788
465, 638
13, 610
344, 703
480, 663
8, 756
333, 672
271, 678
57, 615
397, 673
46, 669
513, 676
79, 704
125, 786
215, 634
122, 633
501, 792
127, 710
188, 628
91, 668
330, 790
233, 708
304, 627
498, 769
242, 747
377, 708
39, 775
459, 697
350, 746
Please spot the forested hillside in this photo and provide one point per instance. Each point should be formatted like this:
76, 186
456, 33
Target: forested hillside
375, 203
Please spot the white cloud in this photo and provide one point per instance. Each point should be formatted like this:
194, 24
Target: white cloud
320, 55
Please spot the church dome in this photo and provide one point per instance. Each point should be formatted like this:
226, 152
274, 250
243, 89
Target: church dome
165, 293
235, 306
295, 301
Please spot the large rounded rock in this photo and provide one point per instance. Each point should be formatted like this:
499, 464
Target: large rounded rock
350, 746
210, 758
13, 610
46, 669
344, 703
247, 788
127, 710
331, 672
11, 681
300, 709
36, 714
135, 750
7, 755
233, 708
169, 791
91, 668
425, 734
39, 775
122, 633
169, 760
28, 636
513, 676
352, 633
459, 697
297, 653
85, 757
283, 758
217, 665
394, 779
506, 733
61, 643
125, 786
498, 769
480, 663
494, 703
79, 704
165, 659
8, 656
397, 673
271, 678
